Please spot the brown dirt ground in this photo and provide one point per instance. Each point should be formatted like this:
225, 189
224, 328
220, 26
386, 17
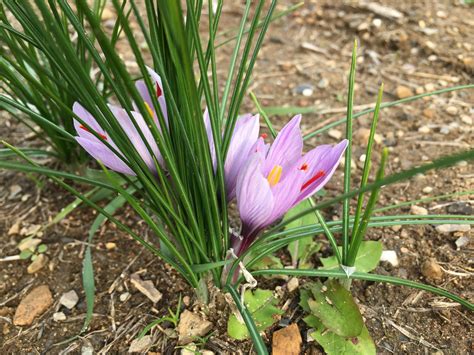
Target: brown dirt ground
430, 48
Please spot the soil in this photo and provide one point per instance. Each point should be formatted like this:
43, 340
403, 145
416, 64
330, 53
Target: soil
429, 47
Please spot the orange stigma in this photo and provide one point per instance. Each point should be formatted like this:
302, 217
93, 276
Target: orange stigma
264, 135
315, 177
87, 130
304, 167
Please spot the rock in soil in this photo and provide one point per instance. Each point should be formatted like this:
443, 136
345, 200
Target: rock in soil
460, 208
40, 262
34, 304
432, 270
146, 287
287, 341
69, 299
421, 211
462, 242
334, 133
59, 317
293, 284
404, 92
390, 256
450, 228
140, 345
191, 325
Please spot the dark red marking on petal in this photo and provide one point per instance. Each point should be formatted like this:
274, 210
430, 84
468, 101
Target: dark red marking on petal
304, 167
87, 130
315, 177
264, 135
159, 92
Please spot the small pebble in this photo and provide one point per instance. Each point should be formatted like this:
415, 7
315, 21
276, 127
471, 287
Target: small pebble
417, 210
462, 242
452, 110
463, 208
139, 345
377, 22
293, 284
69, 299
37, 264
427, 189
304, 89
424, 129
404, 250
14, 191
450, 228
403, 92
396, 227
444, 130
466, 119
323, 83
124, 296
432, 270
110, 245
334, 133
430, 87
59, 317
390, 256
186, 300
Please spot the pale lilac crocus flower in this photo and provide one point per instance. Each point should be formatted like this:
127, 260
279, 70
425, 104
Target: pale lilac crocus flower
244, 136
278, 177
96, 147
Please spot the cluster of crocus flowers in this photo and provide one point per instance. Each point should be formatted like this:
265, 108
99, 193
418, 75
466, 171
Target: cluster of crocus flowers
245, 135
267, 180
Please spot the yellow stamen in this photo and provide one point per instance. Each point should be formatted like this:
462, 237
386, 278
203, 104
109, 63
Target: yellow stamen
275, 175
148, 108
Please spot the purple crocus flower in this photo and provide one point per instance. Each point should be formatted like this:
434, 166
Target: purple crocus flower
244, 136
278, 177
96, 147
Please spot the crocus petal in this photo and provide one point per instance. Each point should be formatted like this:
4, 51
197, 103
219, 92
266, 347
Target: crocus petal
243, 139
254, 198
210, 138
102, 153
285, 193
261, 147
85, 115
135, 138
287, 147
145, 94
324, 158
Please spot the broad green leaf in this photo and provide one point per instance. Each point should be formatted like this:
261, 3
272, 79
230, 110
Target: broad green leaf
335, 307
301, 250
367, 258
25, 254
261, 304
42, 248
334, 344
269, 262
